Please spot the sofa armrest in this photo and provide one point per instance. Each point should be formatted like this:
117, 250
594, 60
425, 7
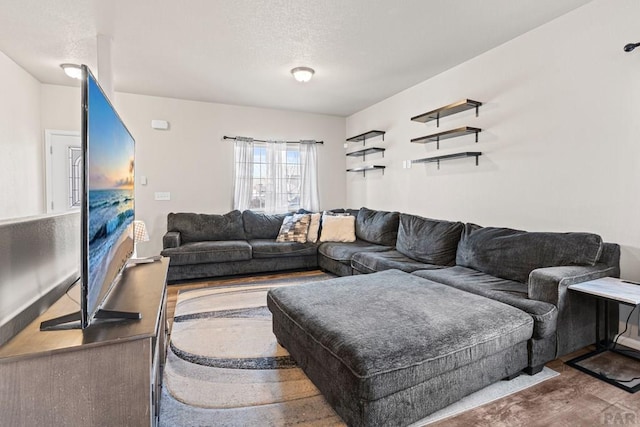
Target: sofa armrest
550, 284
576, 311
171, 240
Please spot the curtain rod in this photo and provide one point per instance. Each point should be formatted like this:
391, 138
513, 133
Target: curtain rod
288, 142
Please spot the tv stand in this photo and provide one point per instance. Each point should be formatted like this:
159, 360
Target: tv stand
109, 373
62, 322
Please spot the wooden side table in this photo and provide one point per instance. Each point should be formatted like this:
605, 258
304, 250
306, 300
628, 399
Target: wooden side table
607, 290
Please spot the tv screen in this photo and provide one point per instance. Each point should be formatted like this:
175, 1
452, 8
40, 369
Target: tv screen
108, 197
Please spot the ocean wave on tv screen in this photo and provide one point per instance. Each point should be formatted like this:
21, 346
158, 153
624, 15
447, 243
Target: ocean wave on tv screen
110, 214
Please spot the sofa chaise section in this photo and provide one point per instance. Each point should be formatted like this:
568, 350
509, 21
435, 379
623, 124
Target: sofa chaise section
531, 271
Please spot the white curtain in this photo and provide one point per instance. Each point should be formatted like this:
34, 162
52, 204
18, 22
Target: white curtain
309, 198
276, 197
243, 173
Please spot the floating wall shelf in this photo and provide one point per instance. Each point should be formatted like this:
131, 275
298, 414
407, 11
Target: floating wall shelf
364, 169
366, 151
447, 110
453, 133
367, 135
437, 159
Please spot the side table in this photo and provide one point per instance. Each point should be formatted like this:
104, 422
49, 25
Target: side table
607, 290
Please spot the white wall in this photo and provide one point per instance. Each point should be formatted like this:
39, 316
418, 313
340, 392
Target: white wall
193, 162
560, 140
190, 160
21, 147
60, 107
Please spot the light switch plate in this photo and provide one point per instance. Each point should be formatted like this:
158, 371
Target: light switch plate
162, 195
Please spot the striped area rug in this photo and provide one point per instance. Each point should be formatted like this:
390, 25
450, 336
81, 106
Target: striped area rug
225, 368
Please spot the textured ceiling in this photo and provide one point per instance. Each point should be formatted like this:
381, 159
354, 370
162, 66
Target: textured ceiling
241, 51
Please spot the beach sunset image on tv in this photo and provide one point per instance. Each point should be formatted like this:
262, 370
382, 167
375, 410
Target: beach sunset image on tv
110, 193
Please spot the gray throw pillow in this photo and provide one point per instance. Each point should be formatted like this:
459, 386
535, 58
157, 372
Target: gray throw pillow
204, 227
258, 225
377, 227
427, 240
513, 254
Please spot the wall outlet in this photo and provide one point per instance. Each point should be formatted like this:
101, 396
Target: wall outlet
162, 195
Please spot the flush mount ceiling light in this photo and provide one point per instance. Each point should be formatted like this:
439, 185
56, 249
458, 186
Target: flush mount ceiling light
72, 70
302, 74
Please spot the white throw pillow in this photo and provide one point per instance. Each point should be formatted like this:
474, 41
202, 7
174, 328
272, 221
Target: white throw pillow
314, 227
338, 229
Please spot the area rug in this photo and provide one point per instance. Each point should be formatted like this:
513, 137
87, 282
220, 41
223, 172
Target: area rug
225, 368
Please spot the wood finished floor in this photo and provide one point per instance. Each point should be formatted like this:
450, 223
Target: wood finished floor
570, 399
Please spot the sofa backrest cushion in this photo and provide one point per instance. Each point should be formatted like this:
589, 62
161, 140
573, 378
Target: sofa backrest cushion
428, 240
513, 254
378, 227
204, 227
258, 225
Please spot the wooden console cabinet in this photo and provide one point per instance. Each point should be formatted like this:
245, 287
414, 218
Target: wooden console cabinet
108, 374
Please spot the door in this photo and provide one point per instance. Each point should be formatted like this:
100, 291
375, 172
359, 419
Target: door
63, 156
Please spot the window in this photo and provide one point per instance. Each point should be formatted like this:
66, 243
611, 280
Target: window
265, 181
274, 176
75, 177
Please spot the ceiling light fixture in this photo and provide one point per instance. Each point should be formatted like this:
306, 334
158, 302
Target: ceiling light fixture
72, 70
302, 74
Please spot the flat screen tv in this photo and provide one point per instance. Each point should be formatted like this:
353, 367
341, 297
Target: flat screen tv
108, 152
108, 196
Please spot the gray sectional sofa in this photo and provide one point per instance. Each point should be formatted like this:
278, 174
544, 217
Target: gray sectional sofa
499, 268
527, 270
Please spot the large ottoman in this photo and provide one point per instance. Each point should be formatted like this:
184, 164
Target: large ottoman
390, 348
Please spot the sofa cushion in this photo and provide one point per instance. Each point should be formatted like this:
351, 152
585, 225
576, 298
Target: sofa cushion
294, 228
207, 252
428, 240
343, 252
338, 228
269, 248
545, 315
378, 227
372, 262
204, 227
258, 225
513, 254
